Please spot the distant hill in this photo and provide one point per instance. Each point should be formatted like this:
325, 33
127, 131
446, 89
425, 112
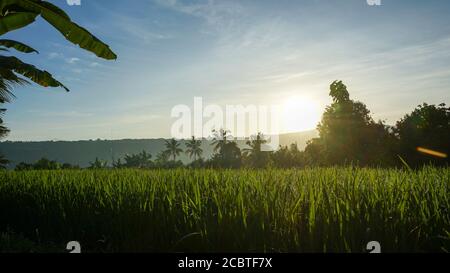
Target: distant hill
84, 151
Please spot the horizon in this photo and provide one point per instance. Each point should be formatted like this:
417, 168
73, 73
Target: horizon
155, 138
392, 57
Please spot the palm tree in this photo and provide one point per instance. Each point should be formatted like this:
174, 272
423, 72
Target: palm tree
257, 156
255, 144
193, 148
173, 148
162, 157
220, 140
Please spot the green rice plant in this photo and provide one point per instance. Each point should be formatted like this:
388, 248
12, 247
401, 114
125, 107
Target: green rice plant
307, 210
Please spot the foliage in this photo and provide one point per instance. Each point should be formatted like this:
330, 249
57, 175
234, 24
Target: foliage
16, 14
98, 164
3, 133
227, 153
349, 135
288, 157
173, 148
140, 161
428, 126
311, 210
44, 164
257, 157
193, 148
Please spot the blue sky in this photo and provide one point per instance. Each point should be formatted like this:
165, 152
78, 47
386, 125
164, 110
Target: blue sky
392, 57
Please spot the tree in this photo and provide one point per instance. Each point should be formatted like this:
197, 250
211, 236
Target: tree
173, 148
258, 158
193, 148
22, 166
162, 157
348, 134
3, 133
16, 14
424, 135
163, 161
227, 153
3, 162
118, 164
288, 157
98, 164
141, 161
46, 164
220, 139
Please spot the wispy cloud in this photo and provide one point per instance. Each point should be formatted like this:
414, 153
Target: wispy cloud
136, 28
220, 15
60, 114
73, 60
55, 55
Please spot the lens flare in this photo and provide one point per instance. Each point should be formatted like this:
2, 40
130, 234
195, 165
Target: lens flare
431, 152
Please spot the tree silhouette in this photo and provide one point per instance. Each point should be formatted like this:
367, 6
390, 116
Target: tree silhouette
173, 148
98, 164
140, 161
348, 134
220, 139
193, 148
258, 158
288, 157
46, 164
427, 127
227, 153
162, 157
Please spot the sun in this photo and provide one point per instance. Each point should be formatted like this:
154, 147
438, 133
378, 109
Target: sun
300, 114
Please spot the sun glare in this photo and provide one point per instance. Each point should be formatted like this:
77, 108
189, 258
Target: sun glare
300, 114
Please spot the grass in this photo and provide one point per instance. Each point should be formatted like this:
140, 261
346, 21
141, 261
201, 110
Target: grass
311, 210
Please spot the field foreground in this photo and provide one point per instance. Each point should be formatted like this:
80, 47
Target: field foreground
312, 210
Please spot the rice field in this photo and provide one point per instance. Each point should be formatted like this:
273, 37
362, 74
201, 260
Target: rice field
310, 210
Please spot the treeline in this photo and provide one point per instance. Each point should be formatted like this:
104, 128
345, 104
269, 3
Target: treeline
347, 135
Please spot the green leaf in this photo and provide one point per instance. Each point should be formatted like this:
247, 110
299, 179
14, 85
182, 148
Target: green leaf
61, 21
13, 21
40, 77
7, 80
17, 46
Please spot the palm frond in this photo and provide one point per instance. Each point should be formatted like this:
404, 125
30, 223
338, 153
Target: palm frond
40, 77
17, 46
7, 80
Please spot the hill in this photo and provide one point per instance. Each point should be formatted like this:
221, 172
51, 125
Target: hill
84, 151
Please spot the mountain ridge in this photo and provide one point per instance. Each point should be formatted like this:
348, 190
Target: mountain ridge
81, 152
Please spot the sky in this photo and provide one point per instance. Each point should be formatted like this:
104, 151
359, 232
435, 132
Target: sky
392, 57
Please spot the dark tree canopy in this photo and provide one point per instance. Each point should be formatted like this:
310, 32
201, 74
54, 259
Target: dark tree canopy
428, 126
348, 134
